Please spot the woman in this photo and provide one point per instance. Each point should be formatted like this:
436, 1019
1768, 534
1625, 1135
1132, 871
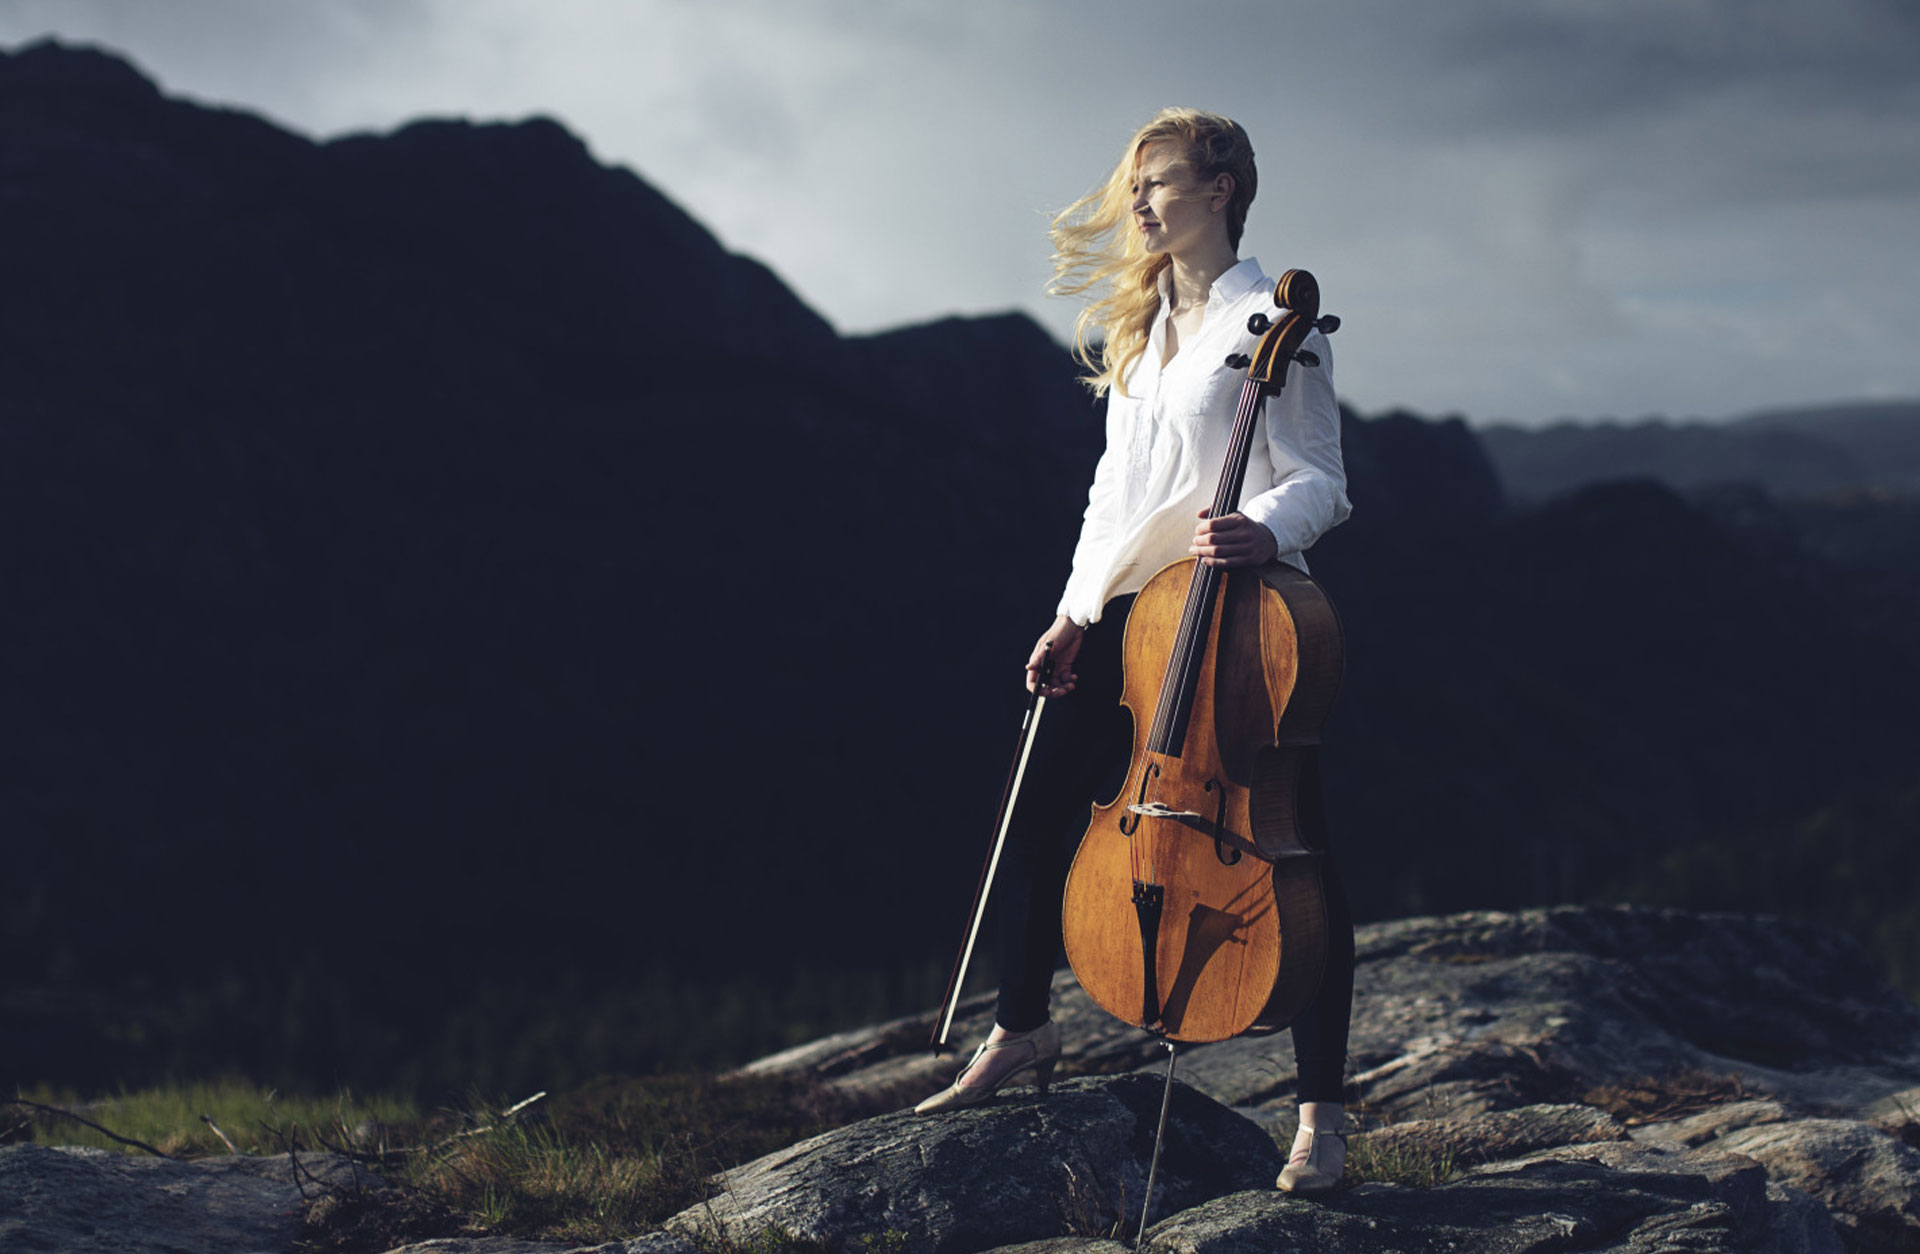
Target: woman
1157, 249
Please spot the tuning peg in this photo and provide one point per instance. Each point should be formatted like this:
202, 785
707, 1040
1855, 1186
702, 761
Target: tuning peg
1328, 324
1258, 324
1239, 361
1307, 359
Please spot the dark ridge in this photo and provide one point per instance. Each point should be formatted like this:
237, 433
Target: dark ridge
1807, 453
464, 626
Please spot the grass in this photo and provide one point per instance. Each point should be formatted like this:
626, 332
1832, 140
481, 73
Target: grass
615, 1157
1425, 1163
256, 1120
1418, 1166
605, 1162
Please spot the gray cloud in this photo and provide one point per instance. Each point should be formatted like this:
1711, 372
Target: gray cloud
1523, 210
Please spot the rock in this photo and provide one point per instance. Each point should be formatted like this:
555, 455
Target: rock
652, 1243
82, 1201
79, 1201
1630, 1199
1481, 1011
1800, 1222
1898, 1114
485, 1245
1494, 1137
1020, 1169
1469, 1013
1709, 1125
1866, 1178
1549, 1036
887, 1066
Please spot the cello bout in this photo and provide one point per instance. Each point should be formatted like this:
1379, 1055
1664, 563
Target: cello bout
1206, 830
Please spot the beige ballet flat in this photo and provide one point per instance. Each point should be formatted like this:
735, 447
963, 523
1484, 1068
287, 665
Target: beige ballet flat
1036, 1051
1318, 1160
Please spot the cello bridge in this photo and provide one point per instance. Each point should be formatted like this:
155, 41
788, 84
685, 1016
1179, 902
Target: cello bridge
1161, 810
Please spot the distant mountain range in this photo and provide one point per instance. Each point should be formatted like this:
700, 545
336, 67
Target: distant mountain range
1868, 447
463, 625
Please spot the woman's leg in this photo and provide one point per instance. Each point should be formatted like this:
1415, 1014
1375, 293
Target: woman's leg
1080, 740
1320, 1031
1319, 1155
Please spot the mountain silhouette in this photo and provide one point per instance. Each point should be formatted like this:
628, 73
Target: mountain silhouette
454, 603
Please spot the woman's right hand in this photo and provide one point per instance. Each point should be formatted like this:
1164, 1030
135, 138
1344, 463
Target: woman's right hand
1064, 636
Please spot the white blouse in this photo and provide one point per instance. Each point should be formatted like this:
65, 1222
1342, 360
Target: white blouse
1167, 445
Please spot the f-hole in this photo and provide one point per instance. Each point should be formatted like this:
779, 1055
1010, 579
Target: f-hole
1130, 823
1227, 854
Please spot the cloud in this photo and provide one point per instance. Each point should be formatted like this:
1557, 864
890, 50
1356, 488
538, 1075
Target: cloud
1523, 210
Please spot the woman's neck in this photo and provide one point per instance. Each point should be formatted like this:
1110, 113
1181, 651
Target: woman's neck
1193, 274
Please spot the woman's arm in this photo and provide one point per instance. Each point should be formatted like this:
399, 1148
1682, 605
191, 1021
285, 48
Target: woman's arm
1308, 497
1081, 598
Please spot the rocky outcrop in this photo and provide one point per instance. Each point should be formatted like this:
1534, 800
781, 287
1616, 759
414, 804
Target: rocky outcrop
1076, 1160
1624, 1199
1469, 1013
1565, 1079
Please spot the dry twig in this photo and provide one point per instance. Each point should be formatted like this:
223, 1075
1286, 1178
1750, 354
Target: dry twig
231, 1147
505, 1116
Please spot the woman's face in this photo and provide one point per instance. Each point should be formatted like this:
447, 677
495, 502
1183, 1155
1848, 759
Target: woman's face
1172, 211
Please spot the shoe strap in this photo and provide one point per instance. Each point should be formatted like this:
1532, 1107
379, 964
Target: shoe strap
987, 1047
990, 1047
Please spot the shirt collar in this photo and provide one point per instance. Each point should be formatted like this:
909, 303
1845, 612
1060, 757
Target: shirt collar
1238, 281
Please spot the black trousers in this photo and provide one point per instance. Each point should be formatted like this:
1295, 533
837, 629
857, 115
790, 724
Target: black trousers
1079, 755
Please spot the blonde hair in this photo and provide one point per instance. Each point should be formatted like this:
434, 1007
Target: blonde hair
1095, 250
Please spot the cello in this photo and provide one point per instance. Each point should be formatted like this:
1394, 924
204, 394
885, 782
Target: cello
1194, 907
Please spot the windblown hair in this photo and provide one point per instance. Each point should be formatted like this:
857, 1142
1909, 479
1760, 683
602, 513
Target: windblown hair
1097, 251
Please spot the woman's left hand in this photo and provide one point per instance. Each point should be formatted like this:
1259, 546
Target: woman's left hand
1232, 540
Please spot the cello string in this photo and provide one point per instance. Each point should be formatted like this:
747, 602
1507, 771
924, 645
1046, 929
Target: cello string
1179, 688
1179, 682
1176, 683
1176, 678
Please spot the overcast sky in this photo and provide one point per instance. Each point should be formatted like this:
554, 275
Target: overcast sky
1523, 210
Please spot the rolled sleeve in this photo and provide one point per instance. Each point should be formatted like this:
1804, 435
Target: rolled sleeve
1308, 496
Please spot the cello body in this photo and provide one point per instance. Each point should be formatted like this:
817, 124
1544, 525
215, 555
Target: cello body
1240, 942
